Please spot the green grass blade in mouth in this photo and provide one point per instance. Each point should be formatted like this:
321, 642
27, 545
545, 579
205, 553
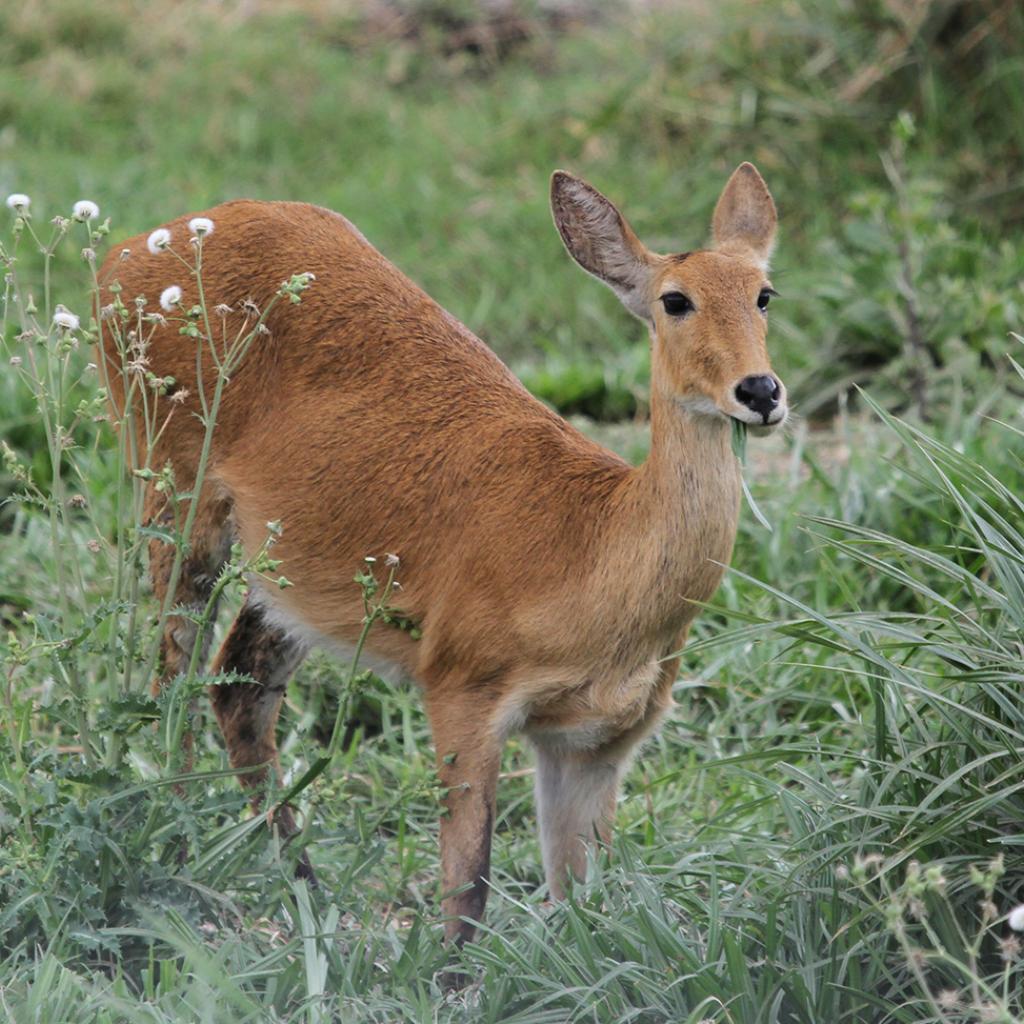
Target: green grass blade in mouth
739, 440
739, 449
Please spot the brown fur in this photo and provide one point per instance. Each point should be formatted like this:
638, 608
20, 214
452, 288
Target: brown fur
549, 578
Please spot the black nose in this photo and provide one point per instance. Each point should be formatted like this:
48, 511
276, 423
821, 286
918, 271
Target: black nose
759, 393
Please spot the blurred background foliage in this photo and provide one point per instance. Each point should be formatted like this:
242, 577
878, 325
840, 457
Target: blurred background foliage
890, 131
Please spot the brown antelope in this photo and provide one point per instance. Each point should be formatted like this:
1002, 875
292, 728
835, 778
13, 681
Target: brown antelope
552, 583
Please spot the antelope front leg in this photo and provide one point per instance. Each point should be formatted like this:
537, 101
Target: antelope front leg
576, 790
575, 794
468, 757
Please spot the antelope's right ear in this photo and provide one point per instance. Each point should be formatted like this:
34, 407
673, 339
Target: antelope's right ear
601, 242
745, 215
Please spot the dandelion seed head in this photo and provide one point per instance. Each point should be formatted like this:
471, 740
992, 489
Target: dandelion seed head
170, 297
65, 319
15, 360
158, 241
85, 209
18, 201
201, 226
1015, 919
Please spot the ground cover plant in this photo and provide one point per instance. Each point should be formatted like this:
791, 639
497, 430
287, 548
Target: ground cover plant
829, 827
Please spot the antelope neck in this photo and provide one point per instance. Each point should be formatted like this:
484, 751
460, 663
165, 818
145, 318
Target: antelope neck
677, 514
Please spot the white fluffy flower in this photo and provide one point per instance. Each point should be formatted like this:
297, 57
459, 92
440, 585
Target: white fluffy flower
1016, 918
18, 201
158, 241
65, 319
170, 297
201, 226
85, 209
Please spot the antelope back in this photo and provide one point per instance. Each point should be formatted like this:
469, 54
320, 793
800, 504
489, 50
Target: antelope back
254, 247
369, 421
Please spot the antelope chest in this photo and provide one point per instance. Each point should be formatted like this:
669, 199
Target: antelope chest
584, 715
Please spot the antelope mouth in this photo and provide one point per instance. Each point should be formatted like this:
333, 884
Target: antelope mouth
759, 428
761, 424
758, 424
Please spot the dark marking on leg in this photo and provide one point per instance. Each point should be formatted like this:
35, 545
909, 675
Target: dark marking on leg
478, 894
247, 711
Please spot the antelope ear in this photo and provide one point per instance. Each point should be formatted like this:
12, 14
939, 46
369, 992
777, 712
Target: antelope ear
601, 242
745, 215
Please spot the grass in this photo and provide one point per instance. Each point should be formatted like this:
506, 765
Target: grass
828, 828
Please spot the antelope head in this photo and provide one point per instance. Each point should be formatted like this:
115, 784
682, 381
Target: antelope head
707, 310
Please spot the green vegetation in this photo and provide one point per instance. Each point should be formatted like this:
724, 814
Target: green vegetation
829, 827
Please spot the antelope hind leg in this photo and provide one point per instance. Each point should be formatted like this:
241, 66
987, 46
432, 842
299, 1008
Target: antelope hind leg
247, 711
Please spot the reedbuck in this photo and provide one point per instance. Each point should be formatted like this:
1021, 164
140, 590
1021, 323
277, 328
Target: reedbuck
552, 583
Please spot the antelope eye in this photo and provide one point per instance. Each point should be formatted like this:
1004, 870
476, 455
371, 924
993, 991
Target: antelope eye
676, 304
764, 298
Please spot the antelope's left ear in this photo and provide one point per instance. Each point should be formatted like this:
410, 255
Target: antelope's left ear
601, 242
745, 217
